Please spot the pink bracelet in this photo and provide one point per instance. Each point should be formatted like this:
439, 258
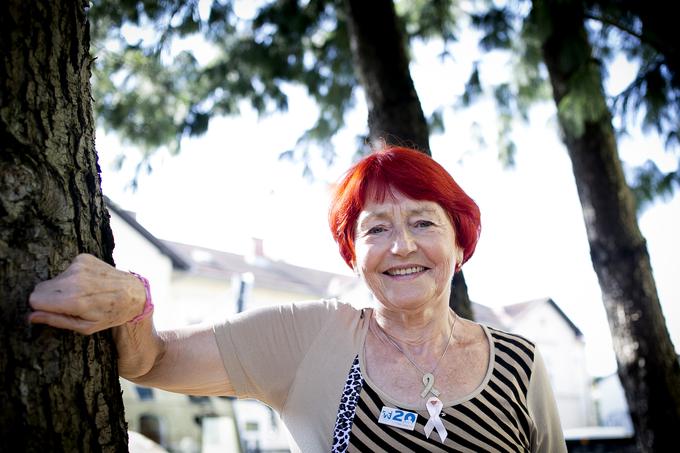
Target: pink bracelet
148, 304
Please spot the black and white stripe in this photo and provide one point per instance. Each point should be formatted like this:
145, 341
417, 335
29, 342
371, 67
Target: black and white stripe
494, 420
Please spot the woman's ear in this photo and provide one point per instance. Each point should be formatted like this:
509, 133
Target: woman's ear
459, 259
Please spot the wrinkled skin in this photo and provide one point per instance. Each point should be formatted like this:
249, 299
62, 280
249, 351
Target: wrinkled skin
89, 296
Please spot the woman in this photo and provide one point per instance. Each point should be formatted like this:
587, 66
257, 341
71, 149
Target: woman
405, 375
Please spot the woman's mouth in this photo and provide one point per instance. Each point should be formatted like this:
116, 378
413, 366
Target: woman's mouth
402, 271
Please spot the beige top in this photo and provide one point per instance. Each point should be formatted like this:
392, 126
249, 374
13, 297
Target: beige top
296, 358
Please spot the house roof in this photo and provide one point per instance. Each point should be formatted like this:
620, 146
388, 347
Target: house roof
503, 317
267, 273
487, 315
516, 310
178, 262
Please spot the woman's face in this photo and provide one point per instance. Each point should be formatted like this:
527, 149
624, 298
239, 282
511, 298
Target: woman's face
406, 252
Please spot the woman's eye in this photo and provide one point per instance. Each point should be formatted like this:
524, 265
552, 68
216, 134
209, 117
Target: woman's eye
424, 223
376, 230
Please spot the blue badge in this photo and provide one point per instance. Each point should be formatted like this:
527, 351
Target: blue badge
398, 418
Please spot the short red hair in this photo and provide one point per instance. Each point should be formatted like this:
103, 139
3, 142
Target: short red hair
412, 173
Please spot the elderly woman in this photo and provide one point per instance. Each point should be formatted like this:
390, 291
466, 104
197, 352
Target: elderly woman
407, 374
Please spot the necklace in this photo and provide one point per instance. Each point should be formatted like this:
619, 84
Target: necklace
428, 378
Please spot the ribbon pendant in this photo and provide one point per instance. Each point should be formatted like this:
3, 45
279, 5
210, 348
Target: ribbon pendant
434, 407
428, 382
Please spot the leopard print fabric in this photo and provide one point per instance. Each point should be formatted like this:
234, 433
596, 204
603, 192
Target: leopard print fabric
347, 408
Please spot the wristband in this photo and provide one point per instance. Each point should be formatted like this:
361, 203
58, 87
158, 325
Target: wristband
148, 304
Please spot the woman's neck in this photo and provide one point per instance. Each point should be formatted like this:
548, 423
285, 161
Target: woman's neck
426, 329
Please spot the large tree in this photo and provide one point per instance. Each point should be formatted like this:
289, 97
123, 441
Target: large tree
328, 46
59, 391
555, 33
647, 362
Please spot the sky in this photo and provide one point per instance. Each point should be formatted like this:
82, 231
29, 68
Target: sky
229, 186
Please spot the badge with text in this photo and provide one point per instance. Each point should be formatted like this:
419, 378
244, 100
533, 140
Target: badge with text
398, 418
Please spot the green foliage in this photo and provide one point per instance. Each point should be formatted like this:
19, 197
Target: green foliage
579, 106
428, 19
153, 94
154, 88
497, 26
639, 30
155, 83
435, 122
473, 87
645, 33
503, 30
506, 147
652, 93
650, 183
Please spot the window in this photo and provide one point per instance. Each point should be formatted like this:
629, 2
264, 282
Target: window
252, 426
144, 393
150, 427
199, 399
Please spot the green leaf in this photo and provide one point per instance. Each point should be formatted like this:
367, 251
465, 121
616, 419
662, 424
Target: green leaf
583, 102
473, 87
436, 122
649, 183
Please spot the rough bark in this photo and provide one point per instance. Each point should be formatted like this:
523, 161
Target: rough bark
648, 365
382, 66
395, 116
59, 391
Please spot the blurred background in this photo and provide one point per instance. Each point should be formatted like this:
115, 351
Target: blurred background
223, 126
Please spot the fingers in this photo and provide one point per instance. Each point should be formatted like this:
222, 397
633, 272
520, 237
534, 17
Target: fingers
89, 296
58, 295
64, 322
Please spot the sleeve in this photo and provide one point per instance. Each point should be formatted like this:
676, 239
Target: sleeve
546, 434
261, 349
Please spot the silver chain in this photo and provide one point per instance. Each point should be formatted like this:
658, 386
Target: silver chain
394, 343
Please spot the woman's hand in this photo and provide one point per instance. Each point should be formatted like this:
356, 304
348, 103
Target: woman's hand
87, 297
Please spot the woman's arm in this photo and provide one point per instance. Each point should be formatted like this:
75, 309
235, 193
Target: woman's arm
183, 361
546, 435
91, 296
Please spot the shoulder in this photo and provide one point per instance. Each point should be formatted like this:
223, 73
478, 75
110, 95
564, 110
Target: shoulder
514, 357
321, 307
302, 315
511, 342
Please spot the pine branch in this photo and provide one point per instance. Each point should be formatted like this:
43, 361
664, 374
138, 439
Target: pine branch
609, 21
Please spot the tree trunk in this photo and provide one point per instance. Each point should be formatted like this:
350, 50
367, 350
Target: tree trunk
59, 391
395, 116
648, 365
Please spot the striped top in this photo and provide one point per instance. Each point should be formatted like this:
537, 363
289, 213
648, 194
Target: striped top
494, 418
295, 357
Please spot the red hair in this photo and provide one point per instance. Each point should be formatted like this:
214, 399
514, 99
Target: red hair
412, 173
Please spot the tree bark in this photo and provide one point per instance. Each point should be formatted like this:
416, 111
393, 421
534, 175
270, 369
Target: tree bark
59, 391
648, 364
382, 65
395, 116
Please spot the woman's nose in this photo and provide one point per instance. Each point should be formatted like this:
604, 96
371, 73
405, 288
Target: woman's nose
403, 243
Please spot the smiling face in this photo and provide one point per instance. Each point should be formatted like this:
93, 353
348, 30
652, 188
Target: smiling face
406, 252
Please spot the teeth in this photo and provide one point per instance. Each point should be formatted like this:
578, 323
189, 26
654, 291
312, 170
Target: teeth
406, 271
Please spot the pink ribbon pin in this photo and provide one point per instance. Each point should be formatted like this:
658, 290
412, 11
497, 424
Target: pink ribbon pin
434, 408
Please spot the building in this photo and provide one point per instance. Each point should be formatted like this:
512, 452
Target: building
610, 403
